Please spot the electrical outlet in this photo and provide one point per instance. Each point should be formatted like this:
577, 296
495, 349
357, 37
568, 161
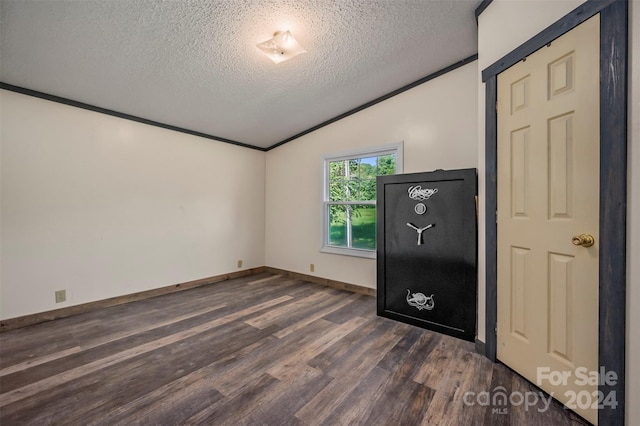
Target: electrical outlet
312, 267
239, 263
61, 296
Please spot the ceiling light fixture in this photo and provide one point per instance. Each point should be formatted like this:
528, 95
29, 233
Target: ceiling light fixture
281, 47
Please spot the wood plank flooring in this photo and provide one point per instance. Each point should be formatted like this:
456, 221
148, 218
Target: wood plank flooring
257, 350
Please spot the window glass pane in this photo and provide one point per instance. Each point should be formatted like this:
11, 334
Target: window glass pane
368, 190
363, 226
353, 190
387, 165
353, 168
351, 182
337, 225
336, 170
337, 191
368, 167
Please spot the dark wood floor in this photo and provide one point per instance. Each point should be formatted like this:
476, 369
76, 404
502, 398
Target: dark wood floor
259, 350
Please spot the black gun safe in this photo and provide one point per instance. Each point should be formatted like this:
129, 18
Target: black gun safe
427, 250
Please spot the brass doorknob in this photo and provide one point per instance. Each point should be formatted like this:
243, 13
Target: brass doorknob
584, 240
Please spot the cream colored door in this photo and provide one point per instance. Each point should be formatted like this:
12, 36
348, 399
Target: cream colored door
548, 192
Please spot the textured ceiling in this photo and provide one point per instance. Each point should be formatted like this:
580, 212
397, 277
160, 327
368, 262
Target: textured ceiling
194, 64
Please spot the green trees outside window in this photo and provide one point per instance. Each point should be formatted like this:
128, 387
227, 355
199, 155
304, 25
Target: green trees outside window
351, 199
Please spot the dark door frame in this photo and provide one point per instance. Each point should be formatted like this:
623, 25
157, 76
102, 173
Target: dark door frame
613, 186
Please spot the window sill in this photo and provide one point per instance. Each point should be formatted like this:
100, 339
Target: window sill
369, 254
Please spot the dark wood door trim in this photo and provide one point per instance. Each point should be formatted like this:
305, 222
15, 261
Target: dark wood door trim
613, 186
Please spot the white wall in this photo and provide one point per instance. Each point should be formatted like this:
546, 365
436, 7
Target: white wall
501, 29
437, 122
102, 206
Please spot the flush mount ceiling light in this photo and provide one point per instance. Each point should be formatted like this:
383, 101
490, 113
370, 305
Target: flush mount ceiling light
281, 47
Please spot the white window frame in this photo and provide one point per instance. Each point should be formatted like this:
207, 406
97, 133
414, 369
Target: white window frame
395, 148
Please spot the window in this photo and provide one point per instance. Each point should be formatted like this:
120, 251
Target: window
349, 198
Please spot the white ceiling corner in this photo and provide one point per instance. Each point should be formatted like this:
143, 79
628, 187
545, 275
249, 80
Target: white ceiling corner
194, 63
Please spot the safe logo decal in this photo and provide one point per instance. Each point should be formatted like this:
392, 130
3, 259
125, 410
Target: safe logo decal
420, 301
